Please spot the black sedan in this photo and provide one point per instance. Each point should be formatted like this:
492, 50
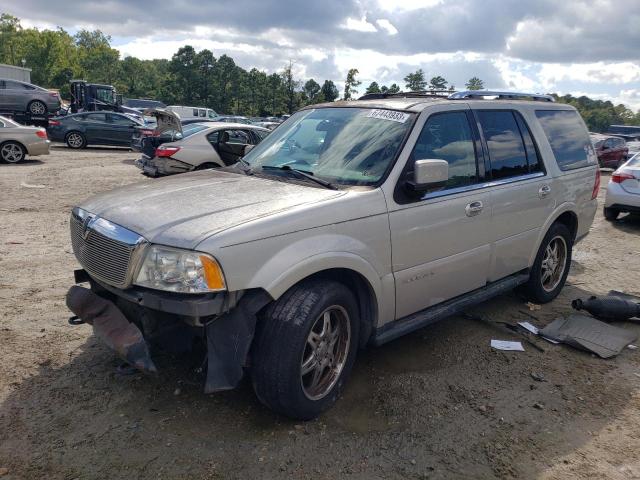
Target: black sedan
93, 128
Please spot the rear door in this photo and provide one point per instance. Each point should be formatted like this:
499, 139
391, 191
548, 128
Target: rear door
522, 193
122, 128
96, 129
441, 239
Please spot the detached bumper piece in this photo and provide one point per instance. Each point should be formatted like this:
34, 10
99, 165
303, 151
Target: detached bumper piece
111, 326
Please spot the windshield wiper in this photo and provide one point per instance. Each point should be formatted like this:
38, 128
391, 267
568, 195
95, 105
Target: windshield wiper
302, 173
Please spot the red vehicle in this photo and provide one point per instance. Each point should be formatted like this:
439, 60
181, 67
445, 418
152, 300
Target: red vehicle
612, 151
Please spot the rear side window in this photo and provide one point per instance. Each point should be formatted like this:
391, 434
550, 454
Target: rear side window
506, 146
568, 138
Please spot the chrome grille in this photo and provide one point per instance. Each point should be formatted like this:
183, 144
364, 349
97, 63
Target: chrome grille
105, 250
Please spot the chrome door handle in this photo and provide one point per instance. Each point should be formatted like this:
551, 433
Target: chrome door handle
544, 191
474, 208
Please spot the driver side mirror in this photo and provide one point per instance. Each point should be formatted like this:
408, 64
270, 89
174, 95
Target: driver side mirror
428, 175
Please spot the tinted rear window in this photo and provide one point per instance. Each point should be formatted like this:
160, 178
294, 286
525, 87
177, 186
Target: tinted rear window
506, 147
568, 138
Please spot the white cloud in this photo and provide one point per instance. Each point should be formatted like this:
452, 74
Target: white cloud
395, 5
610, 73
386, 25
360, 25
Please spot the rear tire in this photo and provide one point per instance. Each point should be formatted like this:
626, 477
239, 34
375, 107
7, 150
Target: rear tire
36, 107
611, 214
549, 272
304, 349
12, 152
75, 140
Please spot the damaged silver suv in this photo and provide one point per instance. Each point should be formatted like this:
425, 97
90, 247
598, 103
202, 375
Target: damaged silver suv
351, 224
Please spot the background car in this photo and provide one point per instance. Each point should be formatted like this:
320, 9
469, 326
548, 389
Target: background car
200, 146
612, 151
94, 128
634, 147
234, 119
16, 141
185, 112
623, 190
18, 96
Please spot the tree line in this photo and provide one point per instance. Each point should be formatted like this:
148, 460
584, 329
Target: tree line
201, 79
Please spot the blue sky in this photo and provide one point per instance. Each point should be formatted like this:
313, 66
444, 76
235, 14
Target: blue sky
575, 46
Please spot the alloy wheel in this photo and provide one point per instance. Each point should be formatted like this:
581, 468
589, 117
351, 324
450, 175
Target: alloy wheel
75, 140
37, 108
554, 263
325, 353
12, 153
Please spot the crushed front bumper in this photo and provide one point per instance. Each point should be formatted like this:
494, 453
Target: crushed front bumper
224, 321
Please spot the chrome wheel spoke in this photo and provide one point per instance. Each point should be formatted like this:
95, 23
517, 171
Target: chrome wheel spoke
309, 364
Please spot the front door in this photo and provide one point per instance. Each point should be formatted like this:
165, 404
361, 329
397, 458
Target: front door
441, 240
121, 127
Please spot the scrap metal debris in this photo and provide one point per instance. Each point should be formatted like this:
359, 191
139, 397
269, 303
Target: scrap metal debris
589, 334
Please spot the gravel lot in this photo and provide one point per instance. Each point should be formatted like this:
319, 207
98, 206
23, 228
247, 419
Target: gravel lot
438, 403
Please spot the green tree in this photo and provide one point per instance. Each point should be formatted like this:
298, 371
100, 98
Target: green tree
290, 86
474, 83
415, 81
438, 83
393, 88
99, 62
373, 88
329, 91
350, 84
9, 38
311, 91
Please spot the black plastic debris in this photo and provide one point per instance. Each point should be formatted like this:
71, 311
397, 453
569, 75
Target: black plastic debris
616, 306
111, 326
589, 334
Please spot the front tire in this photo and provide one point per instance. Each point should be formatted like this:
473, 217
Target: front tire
304, 349
75, 140
12, 152
549, 272
611, 214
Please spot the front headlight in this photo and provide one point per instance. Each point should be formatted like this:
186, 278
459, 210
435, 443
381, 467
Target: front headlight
182, 271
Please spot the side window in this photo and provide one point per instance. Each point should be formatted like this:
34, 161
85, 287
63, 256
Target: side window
202, 112
506, 147
608, 143
568, 138
3, 85
533, 158
11, 85
195, 112
96, 117
26, 86
1, 124
447, 136
239, 137
262, 134
620, 143
120, 120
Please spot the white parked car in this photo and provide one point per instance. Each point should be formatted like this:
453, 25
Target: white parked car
198, 146
623, 191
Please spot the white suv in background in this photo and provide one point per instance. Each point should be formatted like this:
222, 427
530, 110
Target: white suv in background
351, 224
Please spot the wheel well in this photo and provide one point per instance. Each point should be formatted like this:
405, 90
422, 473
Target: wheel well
570, 220
363, 292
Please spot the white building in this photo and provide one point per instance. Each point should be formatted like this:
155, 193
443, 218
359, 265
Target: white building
15, 73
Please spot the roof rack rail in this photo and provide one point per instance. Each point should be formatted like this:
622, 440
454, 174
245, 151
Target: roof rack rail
418, 93
479, 94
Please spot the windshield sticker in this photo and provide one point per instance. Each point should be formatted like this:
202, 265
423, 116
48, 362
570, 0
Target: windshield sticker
389, 115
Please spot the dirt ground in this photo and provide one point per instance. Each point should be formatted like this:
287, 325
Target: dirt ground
438, 403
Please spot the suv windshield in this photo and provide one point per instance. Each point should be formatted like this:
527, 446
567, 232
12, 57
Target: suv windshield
352, 146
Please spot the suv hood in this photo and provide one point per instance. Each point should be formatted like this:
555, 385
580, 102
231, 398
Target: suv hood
183, 210
166, 120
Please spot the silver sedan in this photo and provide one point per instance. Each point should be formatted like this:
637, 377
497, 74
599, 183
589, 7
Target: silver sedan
16, 141
201, 146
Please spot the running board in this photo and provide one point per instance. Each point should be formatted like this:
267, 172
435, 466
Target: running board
430, 315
